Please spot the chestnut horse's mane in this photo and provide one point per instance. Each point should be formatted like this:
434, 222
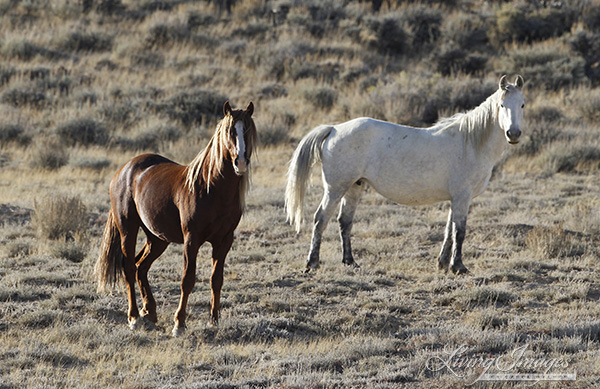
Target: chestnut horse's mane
207, 166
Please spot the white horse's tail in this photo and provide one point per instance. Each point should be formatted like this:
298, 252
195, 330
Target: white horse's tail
307, 153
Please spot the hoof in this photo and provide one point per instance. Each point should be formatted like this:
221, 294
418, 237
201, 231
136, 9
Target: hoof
311, 266
152, 318
460, 269
351, 263
135, 324
443, 265
178, 331
148, 324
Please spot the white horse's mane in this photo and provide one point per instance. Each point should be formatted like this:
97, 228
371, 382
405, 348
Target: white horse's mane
477, 123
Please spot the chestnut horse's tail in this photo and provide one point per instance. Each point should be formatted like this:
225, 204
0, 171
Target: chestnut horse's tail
306, 154
109, 266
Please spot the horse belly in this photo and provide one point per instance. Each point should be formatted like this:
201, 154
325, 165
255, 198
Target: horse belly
164, 224
411, 178
411, 194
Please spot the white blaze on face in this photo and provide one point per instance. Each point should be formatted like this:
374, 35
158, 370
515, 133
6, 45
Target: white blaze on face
241, 147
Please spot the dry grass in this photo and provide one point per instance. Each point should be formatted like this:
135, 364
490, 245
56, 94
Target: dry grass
84, 90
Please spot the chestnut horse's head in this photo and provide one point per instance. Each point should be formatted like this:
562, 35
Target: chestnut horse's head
241, 136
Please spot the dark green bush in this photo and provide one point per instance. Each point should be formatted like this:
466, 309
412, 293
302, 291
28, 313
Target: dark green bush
452, 60
390, 38
518, 24
196, 20
423, 25
588, 46
25, 51
468, 32
20, 97
82, 132
591, 17
165, 34
71, 251
150, 139
21, 50
14, 133
538, 135
588, 107
110, 7
545, 67
193, 108
82, 41
91, 163
147, 59
10, 132
6, 74
49, 156
321, 97
273, 135
469, 93
120, 116
253, 30
574, 158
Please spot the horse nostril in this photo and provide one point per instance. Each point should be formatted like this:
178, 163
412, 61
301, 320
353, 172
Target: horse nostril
237, 159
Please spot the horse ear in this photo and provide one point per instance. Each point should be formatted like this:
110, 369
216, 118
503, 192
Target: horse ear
250, 109
227, 108
519, 82
503, 83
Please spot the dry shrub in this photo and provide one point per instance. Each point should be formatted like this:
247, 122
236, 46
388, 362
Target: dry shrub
59, 216
561, 157
588, 105
551, 242
49, 156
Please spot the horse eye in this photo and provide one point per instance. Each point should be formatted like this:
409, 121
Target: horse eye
523, 106
502, 105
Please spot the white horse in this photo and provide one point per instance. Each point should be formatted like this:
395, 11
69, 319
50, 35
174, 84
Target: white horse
453, 160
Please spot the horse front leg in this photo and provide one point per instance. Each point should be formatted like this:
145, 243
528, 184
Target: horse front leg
188, 281
460, 210
216, 279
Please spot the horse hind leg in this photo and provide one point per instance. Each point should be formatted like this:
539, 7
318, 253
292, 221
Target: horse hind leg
444, 257
128, 240
345, 218
322, 216
153, 248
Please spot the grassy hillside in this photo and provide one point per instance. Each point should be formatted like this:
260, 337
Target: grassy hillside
86, 85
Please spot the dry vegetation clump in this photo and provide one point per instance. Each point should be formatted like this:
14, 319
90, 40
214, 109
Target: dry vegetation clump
59, 216
86, 85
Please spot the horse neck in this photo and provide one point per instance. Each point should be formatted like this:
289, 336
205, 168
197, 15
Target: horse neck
228, 186
488, 140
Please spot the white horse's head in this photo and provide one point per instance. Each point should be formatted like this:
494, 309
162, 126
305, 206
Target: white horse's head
510, 111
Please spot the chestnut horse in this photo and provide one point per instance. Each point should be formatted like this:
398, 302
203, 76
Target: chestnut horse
193, 204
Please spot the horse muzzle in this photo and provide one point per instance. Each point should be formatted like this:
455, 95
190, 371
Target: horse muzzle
240, 165
513, 135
